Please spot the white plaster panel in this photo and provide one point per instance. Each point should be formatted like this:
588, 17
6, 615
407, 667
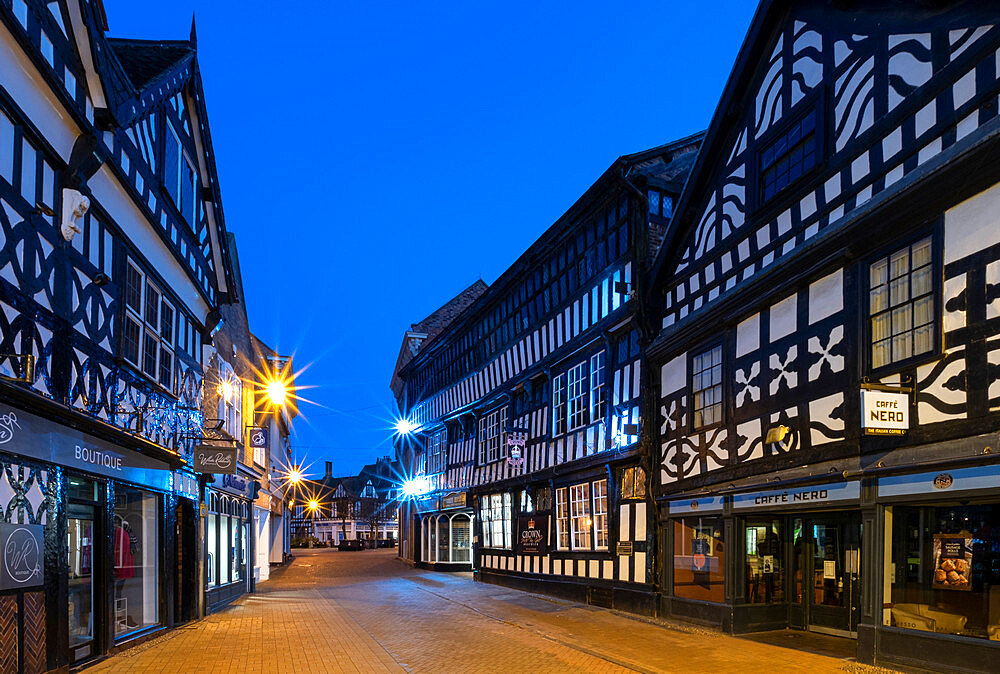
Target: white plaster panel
640, 521
623, 522
748, 336
640, 567
782, 318
972, 225
673, 375
992, 278
826, 296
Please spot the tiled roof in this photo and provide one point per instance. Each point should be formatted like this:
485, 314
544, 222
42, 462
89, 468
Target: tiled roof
145, 60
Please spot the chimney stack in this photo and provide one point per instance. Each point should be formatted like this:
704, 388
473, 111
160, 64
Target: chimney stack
329, 469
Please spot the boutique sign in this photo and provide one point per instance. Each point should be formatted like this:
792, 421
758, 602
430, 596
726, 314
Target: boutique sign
21, 556
30, 435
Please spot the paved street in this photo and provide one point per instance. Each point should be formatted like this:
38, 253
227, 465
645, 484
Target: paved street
365, 611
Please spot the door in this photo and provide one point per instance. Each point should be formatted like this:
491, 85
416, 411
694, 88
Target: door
84, 563
827, 556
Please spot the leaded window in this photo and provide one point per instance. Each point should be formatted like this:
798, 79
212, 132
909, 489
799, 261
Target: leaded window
436, 447
559, 405
788, 157
901, 304
147, 327
634, 482
598, 391
579, 509
600, 492
706, 387
493, 436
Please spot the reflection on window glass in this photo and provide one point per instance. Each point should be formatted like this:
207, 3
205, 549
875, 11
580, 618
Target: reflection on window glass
764, 569
699, 559
135, 563
944, 569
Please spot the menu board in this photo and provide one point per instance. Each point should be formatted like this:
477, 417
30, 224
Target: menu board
952, 561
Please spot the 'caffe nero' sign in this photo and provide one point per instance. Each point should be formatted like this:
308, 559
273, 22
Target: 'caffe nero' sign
218, 460
21, 556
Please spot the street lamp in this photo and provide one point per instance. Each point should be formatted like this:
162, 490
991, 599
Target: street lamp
405, 427
276, 392
313, 505
295, 475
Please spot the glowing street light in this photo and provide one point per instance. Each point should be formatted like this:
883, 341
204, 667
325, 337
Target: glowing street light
405, 427
276, 392
295, 475
416, 486
313, 505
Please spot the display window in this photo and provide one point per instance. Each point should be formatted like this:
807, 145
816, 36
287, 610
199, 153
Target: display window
699, 559
942, 569
136, 573
765, 570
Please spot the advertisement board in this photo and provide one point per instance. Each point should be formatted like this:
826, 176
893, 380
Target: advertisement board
952, 561
884, 412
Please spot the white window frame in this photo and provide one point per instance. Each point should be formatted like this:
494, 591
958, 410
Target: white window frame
598, 387
562, 520
599, 494
559, 405
493, 436
150, 328
705, 385
231, 411
576, 396
580, 522
436, 451
494, 511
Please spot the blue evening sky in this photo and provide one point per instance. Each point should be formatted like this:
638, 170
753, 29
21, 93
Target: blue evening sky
377, 158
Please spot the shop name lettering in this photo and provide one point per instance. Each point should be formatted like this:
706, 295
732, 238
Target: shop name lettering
21, 557
220, 460
815, 495
8, 422
886, 410
98, 458
531, 536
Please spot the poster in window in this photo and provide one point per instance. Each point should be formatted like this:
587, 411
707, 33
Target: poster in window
952, 561
532, 534
701, 549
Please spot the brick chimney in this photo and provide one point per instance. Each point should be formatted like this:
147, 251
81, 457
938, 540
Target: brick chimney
329, 469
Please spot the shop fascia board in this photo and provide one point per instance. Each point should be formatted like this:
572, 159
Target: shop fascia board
965, 452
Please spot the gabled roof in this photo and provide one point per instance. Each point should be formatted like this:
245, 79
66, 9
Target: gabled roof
145, 60
552, 236
751, 54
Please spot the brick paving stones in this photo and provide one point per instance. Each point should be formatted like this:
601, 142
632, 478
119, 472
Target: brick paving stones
365, 611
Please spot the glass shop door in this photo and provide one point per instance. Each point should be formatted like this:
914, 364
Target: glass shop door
84, 558
827, 557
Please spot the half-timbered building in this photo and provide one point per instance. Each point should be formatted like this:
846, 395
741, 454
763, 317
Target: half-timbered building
111, 274
828, 362
529, 405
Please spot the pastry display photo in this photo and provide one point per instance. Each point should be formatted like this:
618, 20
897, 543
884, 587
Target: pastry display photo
952, 561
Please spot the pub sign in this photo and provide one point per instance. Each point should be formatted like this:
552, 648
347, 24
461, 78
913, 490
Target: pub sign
258, 437
532, 534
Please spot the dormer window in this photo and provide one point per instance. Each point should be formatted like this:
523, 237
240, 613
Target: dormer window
789, 156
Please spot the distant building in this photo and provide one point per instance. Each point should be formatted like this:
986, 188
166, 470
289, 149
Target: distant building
531, 454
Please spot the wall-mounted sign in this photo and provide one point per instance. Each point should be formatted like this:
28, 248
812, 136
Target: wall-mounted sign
884, 413
957, 479
952, 561
454, 500
30, 435
21, 556
517, 438
799, 496
532, 534
624, 548
943, 481
700, 505
218, 460
258, 437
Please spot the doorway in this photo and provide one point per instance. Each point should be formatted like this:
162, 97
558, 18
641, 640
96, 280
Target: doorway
84, 562
826, 550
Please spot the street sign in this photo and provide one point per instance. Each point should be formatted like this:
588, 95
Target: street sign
218, 460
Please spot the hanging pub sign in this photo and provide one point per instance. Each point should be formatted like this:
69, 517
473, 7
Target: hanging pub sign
884, 412
952, 561
258, 437
218, 460
517, 438
21, 556
532, 534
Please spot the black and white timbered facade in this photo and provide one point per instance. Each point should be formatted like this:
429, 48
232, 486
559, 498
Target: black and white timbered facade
839, 237
529, 404
111, 271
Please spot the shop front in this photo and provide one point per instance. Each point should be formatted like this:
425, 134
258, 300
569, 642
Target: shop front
940, 569
104, 517
445, 532
229, 540
762, 560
